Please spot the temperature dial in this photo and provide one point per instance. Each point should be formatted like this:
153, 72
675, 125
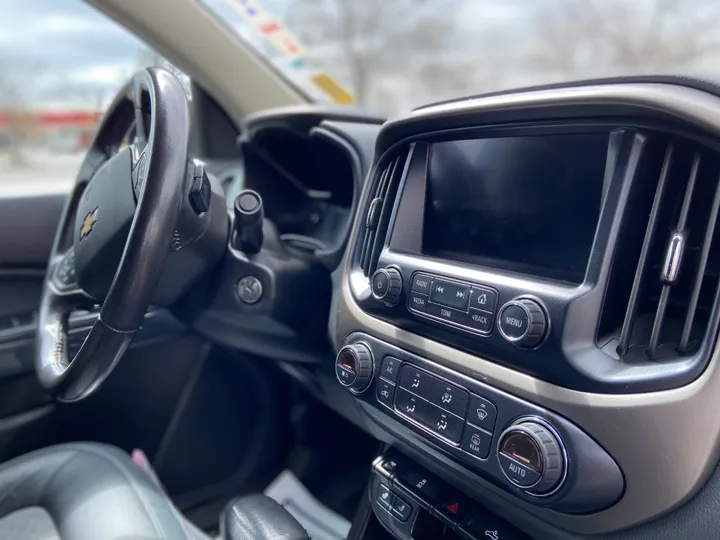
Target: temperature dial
354, 367
532, 456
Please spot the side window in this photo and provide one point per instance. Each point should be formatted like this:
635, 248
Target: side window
61, 64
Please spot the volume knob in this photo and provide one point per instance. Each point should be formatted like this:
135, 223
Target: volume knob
386, 285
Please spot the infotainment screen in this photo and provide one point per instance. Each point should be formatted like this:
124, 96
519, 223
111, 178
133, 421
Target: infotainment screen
524, 204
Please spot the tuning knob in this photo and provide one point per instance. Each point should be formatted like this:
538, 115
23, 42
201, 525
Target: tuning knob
522, 322
532, 457
386, 285
354, 367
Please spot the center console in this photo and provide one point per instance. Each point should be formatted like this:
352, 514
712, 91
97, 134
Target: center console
530, 296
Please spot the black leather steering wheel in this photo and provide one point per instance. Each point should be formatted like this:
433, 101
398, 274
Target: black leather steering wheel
115, 234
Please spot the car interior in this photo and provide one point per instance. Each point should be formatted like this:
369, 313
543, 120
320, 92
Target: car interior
489, 318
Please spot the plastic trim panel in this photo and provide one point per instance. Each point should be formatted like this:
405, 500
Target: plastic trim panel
665, 442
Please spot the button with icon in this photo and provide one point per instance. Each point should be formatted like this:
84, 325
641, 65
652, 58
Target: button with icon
384, 497
481, 413
484, 299
449, 397
476, 441
386, 392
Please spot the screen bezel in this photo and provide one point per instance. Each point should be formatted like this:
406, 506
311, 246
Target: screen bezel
407, 224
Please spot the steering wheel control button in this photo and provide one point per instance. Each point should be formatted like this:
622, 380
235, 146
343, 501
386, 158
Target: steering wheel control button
358, 360
483, 299
476, 441
385, 498
416, 381
421, 283
386, 393
249, 290
450, 294
482, 413
411, 405
390, 368
445, 424
65, 274
522, 322
531, 456
401, 510
449, 397
386, 286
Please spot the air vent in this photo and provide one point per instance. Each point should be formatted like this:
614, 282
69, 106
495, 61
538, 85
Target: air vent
385, 189
664, 279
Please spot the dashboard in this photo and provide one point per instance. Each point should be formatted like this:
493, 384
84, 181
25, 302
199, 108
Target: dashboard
524, 293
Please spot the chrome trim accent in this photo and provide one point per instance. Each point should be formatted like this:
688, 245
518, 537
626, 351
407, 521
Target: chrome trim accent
527, 313
673, 256
656, 481
547, 425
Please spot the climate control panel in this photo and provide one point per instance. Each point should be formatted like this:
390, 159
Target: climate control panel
531, 451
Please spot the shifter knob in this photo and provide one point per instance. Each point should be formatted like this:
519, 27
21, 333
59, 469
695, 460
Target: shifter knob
249, 215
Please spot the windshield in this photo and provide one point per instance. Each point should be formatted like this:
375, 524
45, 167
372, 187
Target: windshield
391, 55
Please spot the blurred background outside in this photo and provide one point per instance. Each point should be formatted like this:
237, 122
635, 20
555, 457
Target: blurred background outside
62, 63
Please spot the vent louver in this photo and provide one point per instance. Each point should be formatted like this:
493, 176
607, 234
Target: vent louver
664, 278
378, 214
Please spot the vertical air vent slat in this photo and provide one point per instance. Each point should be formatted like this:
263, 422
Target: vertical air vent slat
388, 197
378, 216
629, 320
371, 223
700, 273
673, 258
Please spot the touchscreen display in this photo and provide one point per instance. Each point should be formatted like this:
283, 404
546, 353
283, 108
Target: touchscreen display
524, 204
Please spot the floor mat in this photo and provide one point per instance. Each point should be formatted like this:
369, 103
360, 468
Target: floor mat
320, 522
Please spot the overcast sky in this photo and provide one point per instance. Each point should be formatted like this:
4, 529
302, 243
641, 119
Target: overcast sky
64, 54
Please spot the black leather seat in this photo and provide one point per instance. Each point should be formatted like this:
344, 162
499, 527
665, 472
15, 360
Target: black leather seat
85, 491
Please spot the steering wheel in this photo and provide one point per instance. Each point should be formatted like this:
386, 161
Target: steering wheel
115, 233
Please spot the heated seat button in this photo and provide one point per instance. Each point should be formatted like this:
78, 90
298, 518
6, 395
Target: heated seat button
482, 413
344, 375
401, 509
390, 368
385, 392
416, 381
443, 423
421, 283
475, 441
410, 405
449, 397
449, 293
384, 497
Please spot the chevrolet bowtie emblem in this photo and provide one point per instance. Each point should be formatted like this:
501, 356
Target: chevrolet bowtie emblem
88, 223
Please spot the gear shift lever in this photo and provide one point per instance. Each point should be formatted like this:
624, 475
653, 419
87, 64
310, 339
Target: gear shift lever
258, 517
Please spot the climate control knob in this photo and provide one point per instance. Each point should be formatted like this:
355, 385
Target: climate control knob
532, 457
386, 285
523, 322
354, 367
